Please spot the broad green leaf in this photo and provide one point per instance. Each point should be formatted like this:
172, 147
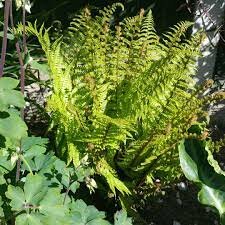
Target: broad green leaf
17, 197
44, 163
97, 221
5, 167
189, 167
9, 36
212, 197
199, 166
13, 127
29, 219
120, 218
33, 146
87, 215
9, 96
35, 151
43, 68
8, 83
52, 204
34, 188
52, 220
28, 142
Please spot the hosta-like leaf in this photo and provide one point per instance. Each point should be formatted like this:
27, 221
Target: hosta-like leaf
194, 159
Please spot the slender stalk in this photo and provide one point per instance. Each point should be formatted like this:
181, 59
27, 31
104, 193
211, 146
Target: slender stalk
24, 28
22, 70
18, 165
4, 42
22, 74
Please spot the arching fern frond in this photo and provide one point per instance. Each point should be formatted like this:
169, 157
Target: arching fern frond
123, 95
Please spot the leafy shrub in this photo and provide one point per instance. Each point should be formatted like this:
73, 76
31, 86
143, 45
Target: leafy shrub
123, 95
44, 193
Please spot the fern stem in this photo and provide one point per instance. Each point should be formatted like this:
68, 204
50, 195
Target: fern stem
4, 42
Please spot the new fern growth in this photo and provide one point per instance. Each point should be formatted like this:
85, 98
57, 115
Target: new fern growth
123, 95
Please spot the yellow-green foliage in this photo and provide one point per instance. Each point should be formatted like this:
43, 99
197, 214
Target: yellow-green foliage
123, 95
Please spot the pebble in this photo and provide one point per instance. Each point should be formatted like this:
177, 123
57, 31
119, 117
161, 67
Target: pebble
182, 186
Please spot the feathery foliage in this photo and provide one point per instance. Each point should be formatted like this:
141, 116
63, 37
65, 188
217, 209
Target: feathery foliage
123, 95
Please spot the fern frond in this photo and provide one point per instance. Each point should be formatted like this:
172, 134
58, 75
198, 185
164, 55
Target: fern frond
122, 94
110, 175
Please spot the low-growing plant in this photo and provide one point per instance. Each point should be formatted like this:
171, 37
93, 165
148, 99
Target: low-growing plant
123, 95
44, 192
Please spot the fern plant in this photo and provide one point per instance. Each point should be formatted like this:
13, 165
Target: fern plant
123, 95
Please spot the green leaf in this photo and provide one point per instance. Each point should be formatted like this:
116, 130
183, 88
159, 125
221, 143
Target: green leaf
52, 205
9, 36
120, 218
44, 163
43, 68
29, 219
5, 167
87, 215
29, 142
8, 96
34, 188
13, 127
189, 167
17, 197
212, 197
33, 146
199, 166
1, 209
8, 83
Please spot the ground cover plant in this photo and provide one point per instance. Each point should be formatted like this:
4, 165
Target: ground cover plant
40, 194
